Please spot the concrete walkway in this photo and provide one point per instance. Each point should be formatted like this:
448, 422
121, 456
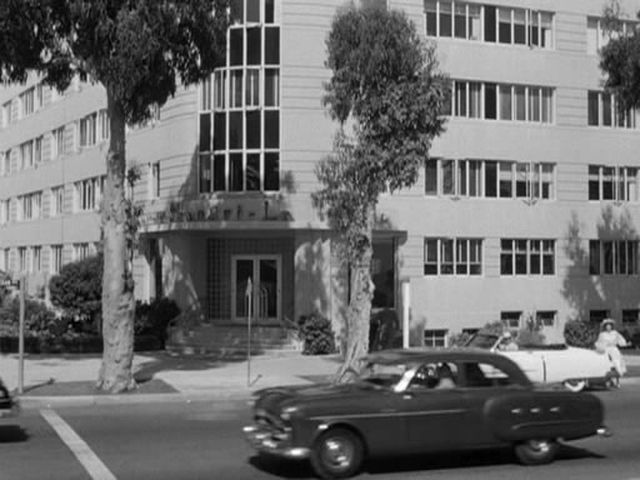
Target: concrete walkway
191, 378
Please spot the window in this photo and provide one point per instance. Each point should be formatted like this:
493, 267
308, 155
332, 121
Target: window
501, 179
88, 194
56, 259
81, 251
154, 187
27, 102
502, 101
511, 320
239, 120
4, 212
435, 338
527, 257
6, 163
37, 150
596, 316
57, 147
506, 25
39, 96
103, 125
630, 317
598, 36
23, 260
57, 201
446, 256
603, 110
613, 183
87, 127
26, 155
29, 206
546, 318
36, 259
6, 114
613, 257
4, 260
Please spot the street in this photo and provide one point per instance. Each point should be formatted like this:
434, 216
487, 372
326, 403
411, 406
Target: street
201, 440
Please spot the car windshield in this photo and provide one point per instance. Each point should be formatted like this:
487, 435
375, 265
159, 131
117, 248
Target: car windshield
383, 375
482, 340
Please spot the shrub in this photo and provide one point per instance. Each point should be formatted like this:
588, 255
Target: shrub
317, 335
459, 339
578, 333
77, 290
152, 319
38, 318
530, 333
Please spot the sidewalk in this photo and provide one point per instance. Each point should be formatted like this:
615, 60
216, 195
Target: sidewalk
69, 379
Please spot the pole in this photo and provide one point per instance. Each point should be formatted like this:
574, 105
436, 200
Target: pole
23, 280
249, 295
406, 304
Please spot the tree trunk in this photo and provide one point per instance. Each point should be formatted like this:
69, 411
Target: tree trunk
117, 285
358, 312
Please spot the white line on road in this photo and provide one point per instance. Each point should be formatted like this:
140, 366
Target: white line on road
89, 460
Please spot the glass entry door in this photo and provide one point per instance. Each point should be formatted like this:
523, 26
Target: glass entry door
265, 274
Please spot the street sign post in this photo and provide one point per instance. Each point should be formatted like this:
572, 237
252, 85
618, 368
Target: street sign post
249, 294
22, 281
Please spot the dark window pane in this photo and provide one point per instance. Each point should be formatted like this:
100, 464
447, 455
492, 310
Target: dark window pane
253, 171
272, 87
431, 24
237, 11
253, 11
268, 11
489, 23
445, 19
521, 257
460, 21
205, 173
219, 174
272, 46
490, 179
205, 132
490, 101
608, 183
271, 172
608, 257
271, 129
235, 130
253, 129
594, 182
593, 108
236, 46
504, 25
236, 173
594, 257
219, 131
431, 177
253, 46
606, 109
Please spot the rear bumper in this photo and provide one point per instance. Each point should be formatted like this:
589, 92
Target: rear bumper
11, 410
264, 440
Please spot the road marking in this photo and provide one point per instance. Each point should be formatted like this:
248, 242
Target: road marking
89, 460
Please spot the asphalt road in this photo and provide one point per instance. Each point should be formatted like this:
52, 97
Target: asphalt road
203, 441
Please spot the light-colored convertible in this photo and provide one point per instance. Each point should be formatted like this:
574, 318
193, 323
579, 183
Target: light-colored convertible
573, 367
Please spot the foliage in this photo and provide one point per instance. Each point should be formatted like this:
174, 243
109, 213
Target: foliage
459, 339
385, 84
153, 318
619, 60
493, 328
38, 318
316, 332
77, 290
579, 333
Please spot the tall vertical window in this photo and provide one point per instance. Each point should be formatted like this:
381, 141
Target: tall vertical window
37, 150
23, 259
103, 125
29, 206
57, 201
57, 143
4, 211
81, 251
26, 155
239, 122
154, 180
36, 259
88, 194
27, 102
88, 126
55, 259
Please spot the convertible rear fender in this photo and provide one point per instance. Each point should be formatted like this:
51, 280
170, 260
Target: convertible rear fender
570, 416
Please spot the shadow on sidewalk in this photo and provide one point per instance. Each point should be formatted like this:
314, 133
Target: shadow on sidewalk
162, 361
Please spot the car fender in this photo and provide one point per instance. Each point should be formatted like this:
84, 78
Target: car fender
522, 416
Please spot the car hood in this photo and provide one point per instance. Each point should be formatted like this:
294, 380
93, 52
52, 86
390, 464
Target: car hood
275, 398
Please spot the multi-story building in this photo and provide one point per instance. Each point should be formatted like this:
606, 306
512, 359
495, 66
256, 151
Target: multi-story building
526, 207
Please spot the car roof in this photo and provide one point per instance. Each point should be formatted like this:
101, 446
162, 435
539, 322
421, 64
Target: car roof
446, 354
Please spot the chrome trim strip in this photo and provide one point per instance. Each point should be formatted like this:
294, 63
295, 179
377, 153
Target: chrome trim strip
392, 414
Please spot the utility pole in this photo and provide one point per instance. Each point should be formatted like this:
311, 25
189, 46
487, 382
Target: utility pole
23, 280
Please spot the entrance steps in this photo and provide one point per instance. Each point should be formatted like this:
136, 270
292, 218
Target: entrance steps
232, 341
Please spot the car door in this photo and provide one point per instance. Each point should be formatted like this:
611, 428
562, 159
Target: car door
480, 382
434, 417
531, 362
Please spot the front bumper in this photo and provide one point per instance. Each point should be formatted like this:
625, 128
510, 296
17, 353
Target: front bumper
266, 441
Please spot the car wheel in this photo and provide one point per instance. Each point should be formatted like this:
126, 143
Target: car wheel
536, 452
338, 453
575, 385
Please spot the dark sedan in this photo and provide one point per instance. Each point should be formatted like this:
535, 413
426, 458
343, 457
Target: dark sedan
8, 405
410, 401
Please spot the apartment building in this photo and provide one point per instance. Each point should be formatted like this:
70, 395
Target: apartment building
526, 207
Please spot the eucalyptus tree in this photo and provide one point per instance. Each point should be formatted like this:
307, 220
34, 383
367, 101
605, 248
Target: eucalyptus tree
387, 94
140, 51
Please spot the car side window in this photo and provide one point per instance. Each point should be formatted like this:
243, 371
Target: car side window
436, 376
479, 374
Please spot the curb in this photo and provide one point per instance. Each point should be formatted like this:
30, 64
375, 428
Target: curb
34, 402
